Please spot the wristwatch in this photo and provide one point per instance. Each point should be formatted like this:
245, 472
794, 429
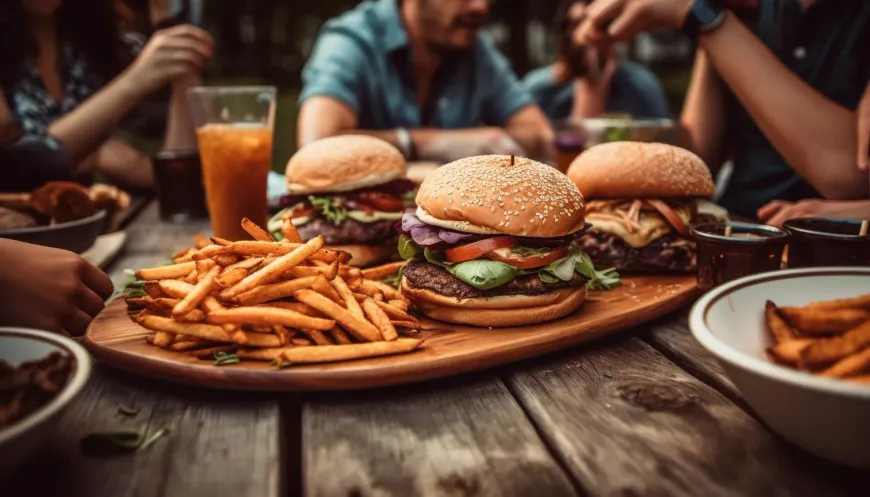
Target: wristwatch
704, 16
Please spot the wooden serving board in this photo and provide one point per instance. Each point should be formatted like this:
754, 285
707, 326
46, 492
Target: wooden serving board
116, 340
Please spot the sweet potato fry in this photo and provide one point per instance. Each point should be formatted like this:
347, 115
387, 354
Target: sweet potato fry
347, 297
274, 291
789, 352
814, 320
356, 325
291, 234
828, 350
778, 328
268, 316
382, 271
273, 271
256, 232
850, 366
380, 319
165, 272
333, 353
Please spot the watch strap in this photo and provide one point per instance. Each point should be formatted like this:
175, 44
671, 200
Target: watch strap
703, 16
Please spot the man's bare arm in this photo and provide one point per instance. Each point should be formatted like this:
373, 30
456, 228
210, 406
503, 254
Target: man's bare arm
703, 120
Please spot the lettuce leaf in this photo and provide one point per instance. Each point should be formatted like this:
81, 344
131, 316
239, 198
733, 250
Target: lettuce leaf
483, 274
330, 208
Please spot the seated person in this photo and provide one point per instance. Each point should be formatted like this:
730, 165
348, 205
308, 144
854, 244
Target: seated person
586, 81
68, 87
419, 74
778, 95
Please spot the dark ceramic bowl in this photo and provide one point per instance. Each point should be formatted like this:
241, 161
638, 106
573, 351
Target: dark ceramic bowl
751, 249
75, 236
817, 241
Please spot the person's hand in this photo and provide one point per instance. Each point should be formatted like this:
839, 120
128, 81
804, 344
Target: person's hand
608, 20
779, 211
173, 53
49, 289
448, 146
864, 131
593, 89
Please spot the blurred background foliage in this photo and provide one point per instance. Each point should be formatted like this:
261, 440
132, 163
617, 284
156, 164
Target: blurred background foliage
268, 42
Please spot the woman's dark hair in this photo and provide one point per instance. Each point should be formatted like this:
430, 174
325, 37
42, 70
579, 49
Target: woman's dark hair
92, 27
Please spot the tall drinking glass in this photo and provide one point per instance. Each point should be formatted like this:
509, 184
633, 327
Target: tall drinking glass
234, 131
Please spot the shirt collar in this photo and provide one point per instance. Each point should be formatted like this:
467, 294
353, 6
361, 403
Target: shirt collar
395, 36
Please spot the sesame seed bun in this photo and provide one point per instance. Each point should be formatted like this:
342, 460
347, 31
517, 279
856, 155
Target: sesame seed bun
505, 310
634, 169
486, 194
366, 255
343, 163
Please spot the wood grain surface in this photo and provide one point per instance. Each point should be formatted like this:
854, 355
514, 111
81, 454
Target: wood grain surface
462, 438
627, 421
113, 338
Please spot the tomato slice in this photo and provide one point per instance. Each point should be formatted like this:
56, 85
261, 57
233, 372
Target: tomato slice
380, 201
669, 214
529, 261
476, 249
300, 212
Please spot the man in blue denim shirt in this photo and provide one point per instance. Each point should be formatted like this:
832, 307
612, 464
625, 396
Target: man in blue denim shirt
419, 74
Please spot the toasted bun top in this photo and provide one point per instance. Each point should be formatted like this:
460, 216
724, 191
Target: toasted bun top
343, 163
486, 194
633, 169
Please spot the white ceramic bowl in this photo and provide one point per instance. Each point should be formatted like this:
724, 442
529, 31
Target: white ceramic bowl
18, 345
828, 417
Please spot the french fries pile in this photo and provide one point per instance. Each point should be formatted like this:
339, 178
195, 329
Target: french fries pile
287, 302
830, 338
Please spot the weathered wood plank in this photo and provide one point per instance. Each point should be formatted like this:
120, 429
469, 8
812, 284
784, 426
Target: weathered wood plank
627, 421
463, 437
148, 234
671, 336
219, 444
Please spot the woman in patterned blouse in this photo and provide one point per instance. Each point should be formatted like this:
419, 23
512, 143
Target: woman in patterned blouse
67, 77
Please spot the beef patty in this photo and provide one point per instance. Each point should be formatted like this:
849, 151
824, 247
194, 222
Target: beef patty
669, 253
427, 276
349, 232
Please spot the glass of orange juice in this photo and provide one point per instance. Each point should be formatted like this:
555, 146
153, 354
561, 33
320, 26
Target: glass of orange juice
234, 130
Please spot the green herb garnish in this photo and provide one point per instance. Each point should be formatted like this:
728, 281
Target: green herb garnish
157, 434
127, 411
407, 247
133, 288
395, 280
410, 195
223, 358
529, 251
330, 208
108, 442
278, 363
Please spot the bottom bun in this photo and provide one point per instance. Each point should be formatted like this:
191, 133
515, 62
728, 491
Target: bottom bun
504, 310
366, 255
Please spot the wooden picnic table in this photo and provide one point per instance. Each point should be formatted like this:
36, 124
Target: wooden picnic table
647, 412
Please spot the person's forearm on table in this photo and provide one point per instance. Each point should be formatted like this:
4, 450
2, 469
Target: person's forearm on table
704, 120
816, 136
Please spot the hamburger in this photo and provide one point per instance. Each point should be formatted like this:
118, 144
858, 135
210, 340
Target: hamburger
350, 189
642, 199
491, 244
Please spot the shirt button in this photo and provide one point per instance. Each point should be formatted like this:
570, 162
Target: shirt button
800, 53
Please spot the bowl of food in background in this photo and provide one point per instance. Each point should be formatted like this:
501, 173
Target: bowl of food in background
40, 374
60, 214
573, 136
796, 343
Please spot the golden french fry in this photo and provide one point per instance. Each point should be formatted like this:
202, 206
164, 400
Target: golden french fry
389, 292
828, 350
247, 248
165, 272
211, 304
379, 297
184, 338
295, 306
395, 312
268, 316
382, 271
152, 288
191, 278
248, 264
225, 260
200, 240
339, 335
317, 336
274, 270
401, 304
301, 342
230, 277
190, 345
269, 354
261, 328
256, 232
377, 316
197, 293
199, 330
815, 320
778, 328
322, 286
347, 297
166, 302
262, 340
411, 325
863, 379
368, 291
240, 337
291, 234
329, 271
284, 336
208, 353
360, 297
194, 316
850, 365
175, 288
203, 266
789, 352
333, 353
220, 241
185, 255
859, 302
162, 339
140, 302
359, 327
274, 291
